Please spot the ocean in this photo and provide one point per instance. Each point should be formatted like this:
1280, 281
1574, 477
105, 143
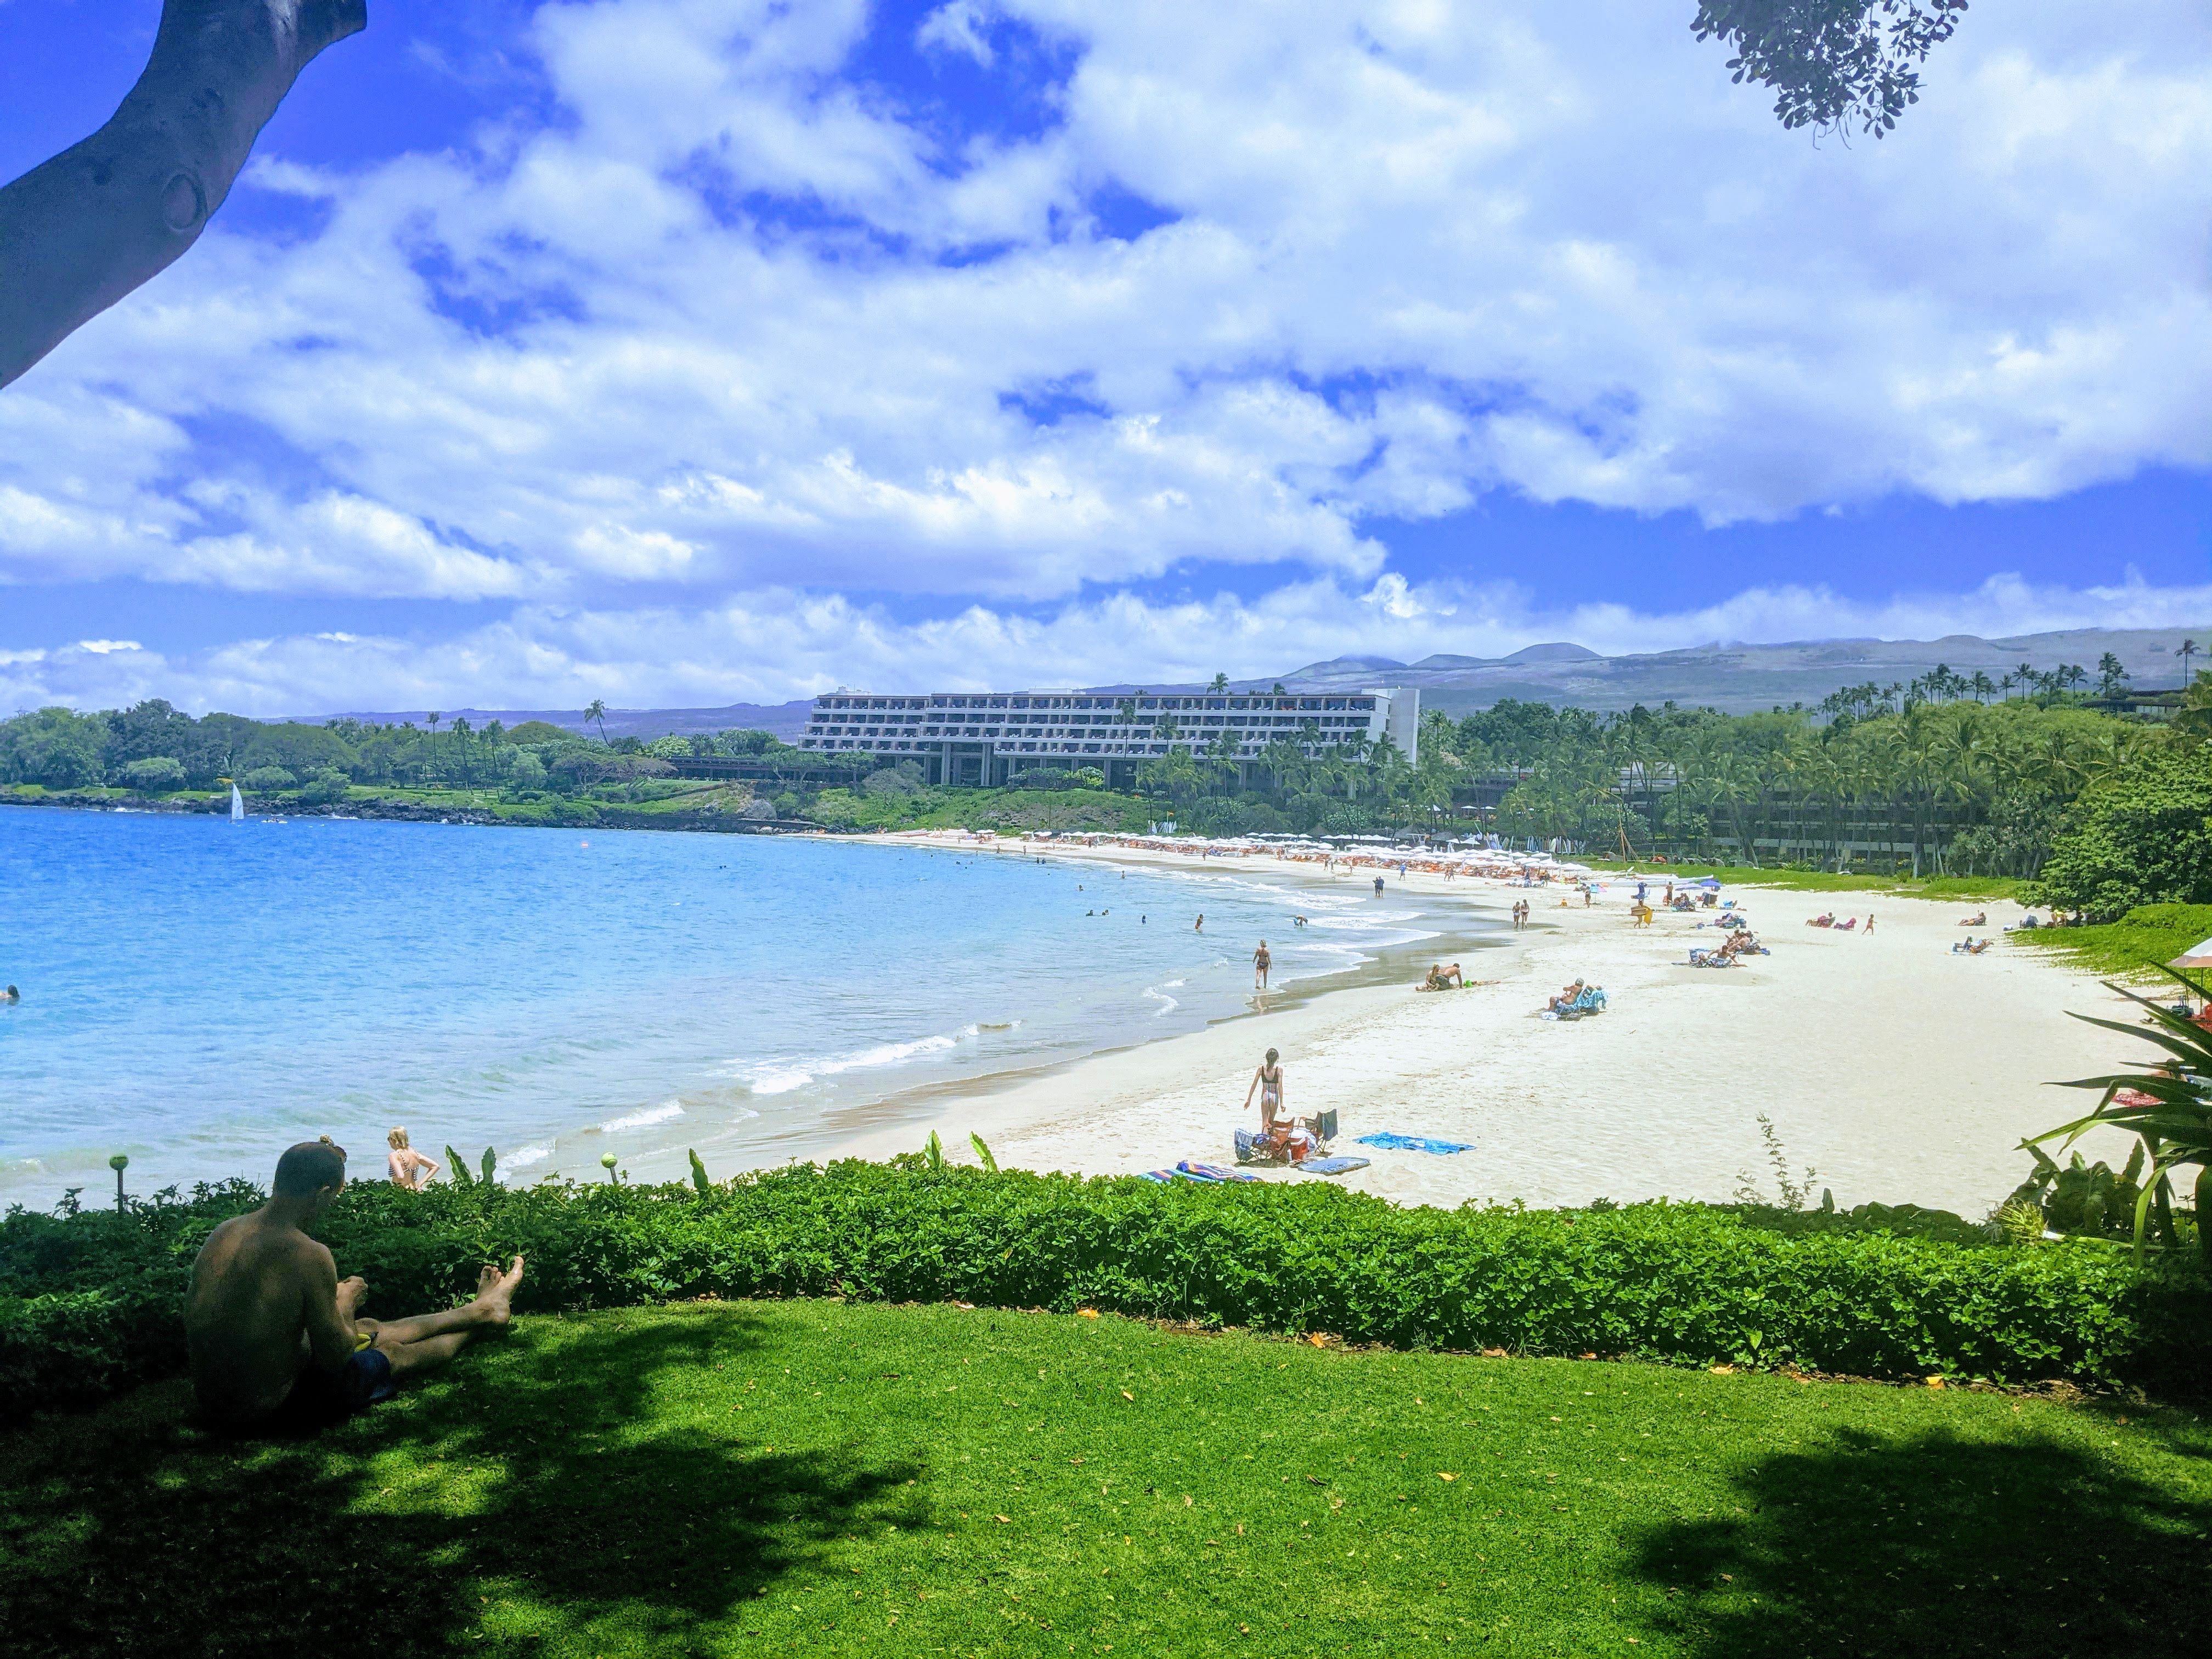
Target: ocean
199, 995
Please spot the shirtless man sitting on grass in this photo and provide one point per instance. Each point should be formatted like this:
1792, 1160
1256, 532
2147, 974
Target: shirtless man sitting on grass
271, 1327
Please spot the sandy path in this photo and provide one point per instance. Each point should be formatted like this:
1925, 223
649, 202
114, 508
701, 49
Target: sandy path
1897, 1070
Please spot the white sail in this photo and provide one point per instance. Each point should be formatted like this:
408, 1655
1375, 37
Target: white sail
237, 805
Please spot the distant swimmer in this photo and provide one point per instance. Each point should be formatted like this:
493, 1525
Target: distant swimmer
12, 995
1260, 962
1199, 927
407, 1167
1298, 922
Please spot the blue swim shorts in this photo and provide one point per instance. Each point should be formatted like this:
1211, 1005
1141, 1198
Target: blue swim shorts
321, 1397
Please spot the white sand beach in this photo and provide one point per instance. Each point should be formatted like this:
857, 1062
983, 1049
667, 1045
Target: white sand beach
1901, 1071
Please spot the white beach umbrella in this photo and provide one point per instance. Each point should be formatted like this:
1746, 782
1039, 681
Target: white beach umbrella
2197, 956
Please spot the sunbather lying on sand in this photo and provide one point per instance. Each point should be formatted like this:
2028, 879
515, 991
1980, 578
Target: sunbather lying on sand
1564, 996
1979, 919
271, 1329
1826, 920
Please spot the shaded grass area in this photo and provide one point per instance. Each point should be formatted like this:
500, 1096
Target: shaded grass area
826, 1477
2131, 947
1962, 888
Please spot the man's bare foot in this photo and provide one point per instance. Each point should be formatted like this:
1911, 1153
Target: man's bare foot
495, 1292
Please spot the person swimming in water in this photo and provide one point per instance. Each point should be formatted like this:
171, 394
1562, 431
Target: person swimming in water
11, 995
1199, 927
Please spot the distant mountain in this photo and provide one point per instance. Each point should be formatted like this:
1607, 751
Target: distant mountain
1737, 677
1741, 678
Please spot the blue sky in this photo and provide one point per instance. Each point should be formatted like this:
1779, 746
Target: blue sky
691, 351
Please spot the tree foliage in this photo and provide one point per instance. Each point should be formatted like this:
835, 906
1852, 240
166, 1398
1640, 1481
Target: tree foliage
1832, 64
2141, 834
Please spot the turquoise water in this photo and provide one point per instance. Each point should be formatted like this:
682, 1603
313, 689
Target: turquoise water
199, 994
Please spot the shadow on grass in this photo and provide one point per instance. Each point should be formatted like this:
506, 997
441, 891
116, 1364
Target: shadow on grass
533, 1494
1889, 1544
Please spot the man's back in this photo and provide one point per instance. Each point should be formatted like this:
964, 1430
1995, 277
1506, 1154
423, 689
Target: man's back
246, 1316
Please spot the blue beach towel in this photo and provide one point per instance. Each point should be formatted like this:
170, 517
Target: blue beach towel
1395, 1142
1331, 1165
1155, 1174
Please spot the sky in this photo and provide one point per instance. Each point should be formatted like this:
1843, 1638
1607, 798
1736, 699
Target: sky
688, 352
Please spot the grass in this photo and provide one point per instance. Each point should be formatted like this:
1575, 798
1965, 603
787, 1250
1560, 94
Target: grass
832, 1478
1962, 888
2132, 947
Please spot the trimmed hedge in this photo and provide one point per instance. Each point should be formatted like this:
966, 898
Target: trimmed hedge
90, 1302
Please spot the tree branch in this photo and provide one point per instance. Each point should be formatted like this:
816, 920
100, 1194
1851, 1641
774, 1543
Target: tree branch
82, 230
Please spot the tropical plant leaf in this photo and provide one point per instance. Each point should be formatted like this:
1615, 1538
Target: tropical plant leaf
457, 1169
983, 1152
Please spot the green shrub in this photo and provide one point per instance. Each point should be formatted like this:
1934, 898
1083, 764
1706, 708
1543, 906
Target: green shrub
154, 775
265, 778
88, 1301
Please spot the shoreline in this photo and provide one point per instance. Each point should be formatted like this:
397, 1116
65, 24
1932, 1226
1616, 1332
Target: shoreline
1898, 1071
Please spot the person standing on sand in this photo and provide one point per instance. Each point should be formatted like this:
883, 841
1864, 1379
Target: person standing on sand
271, 1329
407, 1167
1267, 1084
1260, 962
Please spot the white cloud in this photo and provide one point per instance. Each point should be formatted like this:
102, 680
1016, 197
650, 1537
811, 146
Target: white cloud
772, 646
737, 325
962, 26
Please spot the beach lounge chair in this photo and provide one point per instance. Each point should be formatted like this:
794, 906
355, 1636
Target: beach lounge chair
1591, 1001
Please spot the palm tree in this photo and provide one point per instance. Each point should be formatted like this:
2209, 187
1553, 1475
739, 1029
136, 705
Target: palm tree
1983, 685
1219, 683
432, 718
2185, 650
2110, 674
597, 710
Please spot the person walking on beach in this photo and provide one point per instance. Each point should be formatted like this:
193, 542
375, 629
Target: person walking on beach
1378, 887
1260, 962
1267, 1084
407, 1167
272, 1331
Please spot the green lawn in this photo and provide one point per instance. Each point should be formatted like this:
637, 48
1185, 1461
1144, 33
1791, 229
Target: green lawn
2131, 947
816, 1476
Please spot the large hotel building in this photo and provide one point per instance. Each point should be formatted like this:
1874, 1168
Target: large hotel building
983, 738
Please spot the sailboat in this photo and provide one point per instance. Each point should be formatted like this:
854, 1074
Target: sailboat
237, 805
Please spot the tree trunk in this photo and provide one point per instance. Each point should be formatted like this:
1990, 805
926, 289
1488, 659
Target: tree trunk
82, 230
